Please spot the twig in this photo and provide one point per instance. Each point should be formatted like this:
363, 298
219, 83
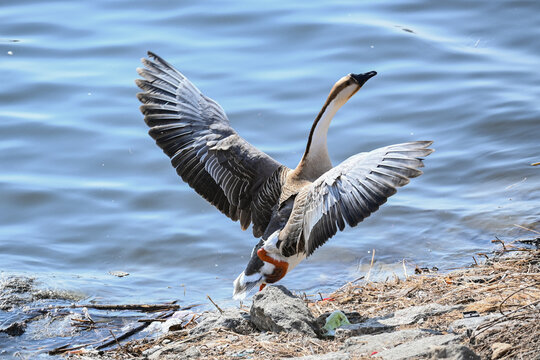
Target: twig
314, 343
484, 255
212, 301
191, 338
525, 228
115, 339
405, 270
512, 294
370, 266
193, 318
499, 241
505, 317
151, 320
64, 348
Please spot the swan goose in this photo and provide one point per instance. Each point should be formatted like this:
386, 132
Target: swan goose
293, 211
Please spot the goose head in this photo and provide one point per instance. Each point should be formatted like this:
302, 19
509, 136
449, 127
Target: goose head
347, 86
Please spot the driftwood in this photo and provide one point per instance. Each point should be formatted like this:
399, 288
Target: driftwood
132, 307
117, 339
167, 310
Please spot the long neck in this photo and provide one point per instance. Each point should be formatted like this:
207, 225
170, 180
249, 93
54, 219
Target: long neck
316, 160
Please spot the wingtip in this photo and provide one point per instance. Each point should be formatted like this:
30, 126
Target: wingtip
139, 82
424, 143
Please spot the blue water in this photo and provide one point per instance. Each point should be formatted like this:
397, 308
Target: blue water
84, 190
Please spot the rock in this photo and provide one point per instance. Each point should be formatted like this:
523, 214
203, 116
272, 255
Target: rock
15, 329
327, 356
366, 344
151, 350
413, 314
499, 349
245, 353
370, 326
190, 352
276, 309
419, 347
171, 350
470, 323
452, 352
232, 319
403, 344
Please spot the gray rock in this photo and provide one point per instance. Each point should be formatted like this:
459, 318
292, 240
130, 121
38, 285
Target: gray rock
370, 326
499, 349
470, 323
409, 344
152, 350
15, 329
452, 352
327, 356
276, 309
232, 319
414, 314
170, 350
366, 344
419, 347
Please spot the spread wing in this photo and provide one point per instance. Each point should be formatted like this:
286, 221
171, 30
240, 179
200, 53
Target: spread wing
350, 192
206, 152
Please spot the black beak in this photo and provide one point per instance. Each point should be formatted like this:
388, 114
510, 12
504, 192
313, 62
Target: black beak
362, 78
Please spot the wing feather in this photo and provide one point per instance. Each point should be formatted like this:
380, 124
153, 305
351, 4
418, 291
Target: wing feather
353, 190
206, 152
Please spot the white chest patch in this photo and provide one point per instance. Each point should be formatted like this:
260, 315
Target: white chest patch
273, 252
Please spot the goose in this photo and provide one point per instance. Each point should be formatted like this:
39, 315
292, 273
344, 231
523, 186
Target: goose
292, 211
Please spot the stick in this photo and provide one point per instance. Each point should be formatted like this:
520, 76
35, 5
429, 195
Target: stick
514, 293
115, 339
371, 265
193, 318
405, 270
151, 320
64, 348
212, 301
135, 307
525, 228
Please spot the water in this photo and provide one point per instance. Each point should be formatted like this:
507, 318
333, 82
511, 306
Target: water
84, 190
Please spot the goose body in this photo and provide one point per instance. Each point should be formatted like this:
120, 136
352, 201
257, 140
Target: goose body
292, 211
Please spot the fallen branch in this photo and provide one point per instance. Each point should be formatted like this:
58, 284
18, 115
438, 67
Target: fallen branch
121, 307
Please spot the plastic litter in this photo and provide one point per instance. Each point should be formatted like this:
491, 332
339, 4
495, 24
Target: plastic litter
335, 320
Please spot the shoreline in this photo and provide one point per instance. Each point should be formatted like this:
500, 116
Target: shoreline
488, 310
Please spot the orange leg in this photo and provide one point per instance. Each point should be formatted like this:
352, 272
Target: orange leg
280, 270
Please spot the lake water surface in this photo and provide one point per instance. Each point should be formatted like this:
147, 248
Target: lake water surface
85, 191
